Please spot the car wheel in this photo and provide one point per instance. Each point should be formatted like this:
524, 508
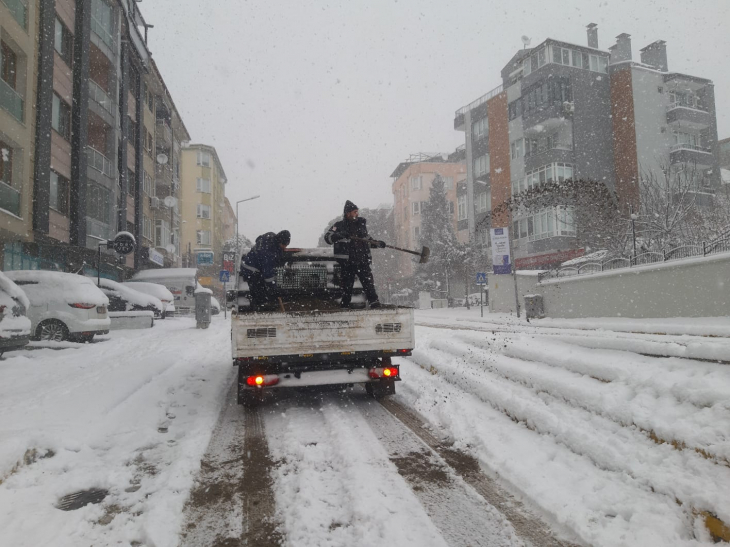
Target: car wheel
51, 330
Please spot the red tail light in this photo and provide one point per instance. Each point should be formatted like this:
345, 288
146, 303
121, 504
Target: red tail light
82, 305
384, 372
261, 380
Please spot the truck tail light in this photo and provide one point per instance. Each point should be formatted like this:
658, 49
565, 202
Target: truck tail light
262, 380
82, 305
384, 372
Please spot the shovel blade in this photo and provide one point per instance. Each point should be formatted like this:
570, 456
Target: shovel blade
425, 253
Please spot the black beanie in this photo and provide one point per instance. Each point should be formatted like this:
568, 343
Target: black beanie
283, 237
349, 206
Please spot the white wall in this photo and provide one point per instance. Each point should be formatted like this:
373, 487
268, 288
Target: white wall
695, 287
502, 291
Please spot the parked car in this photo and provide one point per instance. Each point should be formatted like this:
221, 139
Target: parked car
14, 325
63, 306
158, 291
125, 298
215, 307
181, 282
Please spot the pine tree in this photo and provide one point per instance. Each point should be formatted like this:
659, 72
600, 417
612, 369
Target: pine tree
437, 231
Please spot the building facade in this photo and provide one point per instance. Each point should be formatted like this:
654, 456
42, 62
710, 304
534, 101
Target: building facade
412, 181
94, 159
571, 111
203, 210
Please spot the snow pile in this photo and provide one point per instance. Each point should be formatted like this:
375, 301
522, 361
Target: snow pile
165, 274
42, 287
11, 289
131, 415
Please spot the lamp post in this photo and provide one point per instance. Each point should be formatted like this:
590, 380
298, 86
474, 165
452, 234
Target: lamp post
241, 201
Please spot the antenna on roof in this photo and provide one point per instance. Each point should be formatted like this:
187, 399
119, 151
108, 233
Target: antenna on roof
526, 41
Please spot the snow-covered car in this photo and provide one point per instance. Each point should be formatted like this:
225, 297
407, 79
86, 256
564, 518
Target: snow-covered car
158, 291
181, 282
14, 325
125, 298
63, 306
215, 307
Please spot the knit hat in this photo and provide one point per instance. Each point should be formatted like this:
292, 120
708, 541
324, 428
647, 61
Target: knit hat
283, 237
349, 206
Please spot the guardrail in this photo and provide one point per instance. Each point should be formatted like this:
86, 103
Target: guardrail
651, 257
682, 146
481, 100
96, 93
672, 106
99, 161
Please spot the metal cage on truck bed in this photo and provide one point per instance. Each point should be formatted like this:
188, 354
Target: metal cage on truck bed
313, 276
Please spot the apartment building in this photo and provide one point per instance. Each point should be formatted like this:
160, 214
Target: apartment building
203, 210
412, 181
106, 138
229, 221
18, 78
577, 111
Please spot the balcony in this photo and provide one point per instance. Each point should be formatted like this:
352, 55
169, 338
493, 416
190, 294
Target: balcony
461, 113
100, 162
164, 133
11, 100
97, 94
692, 116
9, 199
692, 154
19, 11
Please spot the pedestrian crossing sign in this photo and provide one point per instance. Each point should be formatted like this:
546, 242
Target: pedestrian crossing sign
481, 278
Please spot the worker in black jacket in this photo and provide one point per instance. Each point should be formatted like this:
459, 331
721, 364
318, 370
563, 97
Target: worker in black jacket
258, 267
353, 255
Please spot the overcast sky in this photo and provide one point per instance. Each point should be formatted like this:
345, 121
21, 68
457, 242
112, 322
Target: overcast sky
313, 103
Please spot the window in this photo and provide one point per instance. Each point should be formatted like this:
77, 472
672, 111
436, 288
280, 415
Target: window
61, 117
98, 203
131, 181
553, 91
547, 173
203, 237
203, 186
102, 22
6, 163
203, 211
162, 233
541, 57
461, 204
450, 207
416, 236
59, 193
481, 165
482, 202
481, 128
63, 42
203, 158
8, 64
448, 183
416, 208
416, 182
517, 148
690, 140
147, 186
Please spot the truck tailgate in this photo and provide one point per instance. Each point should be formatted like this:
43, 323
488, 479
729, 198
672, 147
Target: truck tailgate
279, 334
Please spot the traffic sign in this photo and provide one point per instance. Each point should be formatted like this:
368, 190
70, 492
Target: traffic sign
204, 258
481, 278
225, 276
123, 243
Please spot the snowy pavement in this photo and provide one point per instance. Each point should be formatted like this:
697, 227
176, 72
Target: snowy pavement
612, 436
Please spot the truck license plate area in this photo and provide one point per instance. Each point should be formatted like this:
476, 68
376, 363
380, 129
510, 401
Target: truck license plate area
322, 378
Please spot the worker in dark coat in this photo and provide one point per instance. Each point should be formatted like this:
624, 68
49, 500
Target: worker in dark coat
258, 267
353, 255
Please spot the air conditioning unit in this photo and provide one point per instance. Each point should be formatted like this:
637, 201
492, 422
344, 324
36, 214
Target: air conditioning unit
155, 203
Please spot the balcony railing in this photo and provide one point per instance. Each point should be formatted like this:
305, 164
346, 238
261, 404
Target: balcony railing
11, 100
19, 11
99, 161
163, 130
682, 104
97, 94
541, 149
9, 199
98, 28
481, 100
683, 146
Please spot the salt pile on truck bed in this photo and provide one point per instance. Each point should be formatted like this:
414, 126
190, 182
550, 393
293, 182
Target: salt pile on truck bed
313, 341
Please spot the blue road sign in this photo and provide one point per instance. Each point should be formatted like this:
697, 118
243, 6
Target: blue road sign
481, 278
204, 258
225, 276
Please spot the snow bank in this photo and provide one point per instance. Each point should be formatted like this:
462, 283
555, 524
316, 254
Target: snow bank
42, 287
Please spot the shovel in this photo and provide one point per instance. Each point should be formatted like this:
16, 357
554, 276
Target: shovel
424, 254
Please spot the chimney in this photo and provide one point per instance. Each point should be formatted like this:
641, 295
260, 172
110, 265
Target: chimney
621, 51
592, 35
655, 54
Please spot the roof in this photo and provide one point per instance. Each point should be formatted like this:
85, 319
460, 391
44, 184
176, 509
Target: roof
212, 149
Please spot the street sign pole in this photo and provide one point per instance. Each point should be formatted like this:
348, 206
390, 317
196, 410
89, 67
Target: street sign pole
481, 299
225, 302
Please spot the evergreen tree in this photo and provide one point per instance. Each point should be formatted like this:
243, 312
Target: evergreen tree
437, 232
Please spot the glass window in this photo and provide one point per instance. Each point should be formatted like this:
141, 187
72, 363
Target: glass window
526, 67
203, 237
98, 201
416, 208
59, 193
603, 64
61, 117
203, 211
203, 186
461, 204
6, 163
541, 57
577, 59
566, 57
102, 22
203, 159
8, 64
63, 42
557, 54
448, 183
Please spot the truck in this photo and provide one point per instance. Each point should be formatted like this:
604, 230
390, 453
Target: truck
181, 282
309, 341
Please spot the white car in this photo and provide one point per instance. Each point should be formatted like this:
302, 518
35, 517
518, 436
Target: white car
125, 298
158, 291
63, 306
14, 325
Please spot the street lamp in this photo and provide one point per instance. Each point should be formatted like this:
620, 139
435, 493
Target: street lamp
241, 201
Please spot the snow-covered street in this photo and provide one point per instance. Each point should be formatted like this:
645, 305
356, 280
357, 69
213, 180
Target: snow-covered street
501, 433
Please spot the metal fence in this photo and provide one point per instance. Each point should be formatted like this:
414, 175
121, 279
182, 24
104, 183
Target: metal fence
651, 257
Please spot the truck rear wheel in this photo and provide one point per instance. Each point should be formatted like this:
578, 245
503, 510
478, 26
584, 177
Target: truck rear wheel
380, 389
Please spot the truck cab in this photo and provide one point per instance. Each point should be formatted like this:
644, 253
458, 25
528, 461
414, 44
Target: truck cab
308, 340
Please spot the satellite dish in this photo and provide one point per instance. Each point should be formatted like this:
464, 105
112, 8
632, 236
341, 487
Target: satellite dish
170, 248
526, 40
162, 159
170, 201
